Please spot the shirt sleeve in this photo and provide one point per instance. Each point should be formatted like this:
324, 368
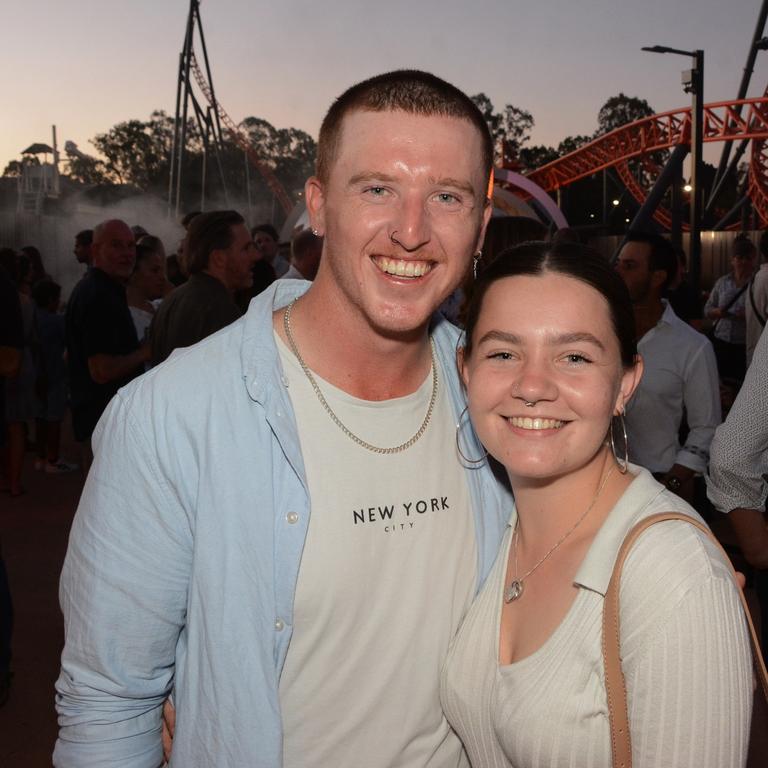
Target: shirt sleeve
714, 297
687, 658
739, 461
701, 397
123, 593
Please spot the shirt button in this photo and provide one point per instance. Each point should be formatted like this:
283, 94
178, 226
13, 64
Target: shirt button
279, 625
292, 518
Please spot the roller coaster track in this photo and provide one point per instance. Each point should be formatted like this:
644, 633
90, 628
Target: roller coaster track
640, 139
241, 139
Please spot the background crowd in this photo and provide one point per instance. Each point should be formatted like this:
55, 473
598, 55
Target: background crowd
135, 304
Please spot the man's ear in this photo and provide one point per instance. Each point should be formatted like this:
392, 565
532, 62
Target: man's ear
659, 277
487, 213
314, 195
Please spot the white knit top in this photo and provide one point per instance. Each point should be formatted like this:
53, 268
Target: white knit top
685, 652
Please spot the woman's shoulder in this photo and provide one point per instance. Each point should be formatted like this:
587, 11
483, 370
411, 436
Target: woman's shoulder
673, 566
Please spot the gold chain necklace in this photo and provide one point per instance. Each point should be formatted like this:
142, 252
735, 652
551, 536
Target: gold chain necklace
336, 420
515, 588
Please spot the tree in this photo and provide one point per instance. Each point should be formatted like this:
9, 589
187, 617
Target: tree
571, 144
536, 156
509, 129
13, 169
621, 110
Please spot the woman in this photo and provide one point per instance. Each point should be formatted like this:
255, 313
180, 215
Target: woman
146, 286
549, 365
726, 306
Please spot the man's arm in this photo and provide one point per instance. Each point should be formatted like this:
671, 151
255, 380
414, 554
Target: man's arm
701, 397
105, 368
123, 594
10, 362
739, 462
752, 534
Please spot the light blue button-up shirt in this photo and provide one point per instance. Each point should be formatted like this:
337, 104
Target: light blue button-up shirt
185, 552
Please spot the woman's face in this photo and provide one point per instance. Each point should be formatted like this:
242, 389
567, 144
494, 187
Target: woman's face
150, 276
546, 340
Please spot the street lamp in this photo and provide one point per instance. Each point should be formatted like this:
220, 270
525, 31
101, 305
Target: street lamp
693, 83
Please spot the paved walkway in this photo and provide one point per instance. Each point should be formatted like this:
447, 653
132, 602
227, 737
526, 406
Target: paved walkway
34, 530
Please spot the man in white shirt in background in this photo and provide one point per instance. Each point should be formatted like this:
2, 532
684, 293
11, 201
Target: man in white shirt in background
756, 305
679, 376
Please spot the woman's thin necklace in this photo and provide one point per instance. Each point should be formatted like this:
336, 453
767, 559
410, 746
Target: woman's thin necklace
515, 588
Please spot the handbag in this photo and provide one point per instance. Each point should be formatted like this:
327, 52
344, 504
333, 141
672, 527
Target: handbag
621, 745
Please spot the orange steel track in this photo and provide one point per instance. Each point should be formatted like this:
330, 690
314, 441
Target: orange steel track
241, 140
639, 139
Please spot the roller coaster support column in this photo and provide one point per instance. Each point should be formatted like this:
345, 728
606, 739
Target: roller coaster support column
669, 174
693, 82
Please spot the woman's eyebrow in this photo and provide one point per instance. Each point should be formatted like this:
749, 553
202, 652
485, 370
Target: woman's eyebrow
563, 338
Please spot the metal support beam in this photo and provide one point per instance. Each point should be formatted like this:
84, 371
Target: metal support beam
671, 171
743, 88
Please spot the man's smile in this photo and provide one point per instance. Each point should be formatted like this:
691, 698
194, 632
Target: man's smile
402, 267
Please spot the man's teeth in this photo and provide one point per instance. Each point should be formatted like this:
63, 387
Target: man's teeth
403, 267
529, 423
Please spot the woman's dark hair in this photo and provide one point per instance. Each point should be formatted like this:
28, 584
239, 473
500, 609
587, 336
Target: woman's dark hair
569, 259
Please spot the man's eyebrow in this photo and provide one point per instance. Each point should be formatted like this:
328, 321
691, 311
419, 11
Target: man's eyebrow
464, 186
564, 338
367, 176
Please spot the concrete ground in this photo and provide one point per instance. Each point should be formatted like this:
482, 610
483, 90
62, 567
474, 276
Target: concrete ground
34, 530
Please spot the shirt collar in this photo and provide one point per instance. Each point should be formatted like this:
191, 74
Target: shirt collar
596, 569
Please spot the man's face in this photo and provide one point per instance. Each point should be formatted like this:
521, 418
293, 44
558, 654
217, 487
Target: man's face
266, 245
239, 259
403, 210
634, 270
82, 252
114, 250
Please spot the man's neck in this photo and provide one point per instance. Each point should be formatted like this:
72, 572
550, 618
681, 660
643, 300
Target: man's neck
216, 276
647, 315
352, 355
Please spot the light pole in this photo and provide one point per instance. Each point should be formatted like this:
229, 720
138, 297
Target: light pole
693, 83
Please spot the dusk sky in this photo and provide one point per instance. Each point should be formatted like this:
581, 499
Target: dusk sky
85, 65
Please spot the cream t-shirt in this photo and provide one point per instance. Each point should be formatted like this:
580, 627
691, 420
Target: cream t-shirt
387, 573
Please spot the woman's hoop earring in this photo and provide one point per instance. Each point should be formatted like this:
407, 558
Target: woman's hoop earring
623, 463
458, 447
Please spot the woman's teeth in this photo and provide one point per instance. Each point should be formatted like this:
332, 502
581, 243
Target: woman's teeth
529, 423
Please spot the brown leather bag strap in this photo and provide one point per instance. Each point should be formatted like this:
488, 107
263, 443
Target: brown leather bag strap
621, 745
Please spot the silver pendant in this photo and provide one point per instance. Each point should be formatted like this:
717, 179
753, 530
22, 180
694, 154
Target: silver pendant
513, 591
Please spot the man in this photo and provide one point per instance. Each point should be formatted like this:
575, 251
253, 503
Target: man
220, 256
757, 300
82, 250
268, 244
679, 375
295, 554
306, 250
104, 352
736, 484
